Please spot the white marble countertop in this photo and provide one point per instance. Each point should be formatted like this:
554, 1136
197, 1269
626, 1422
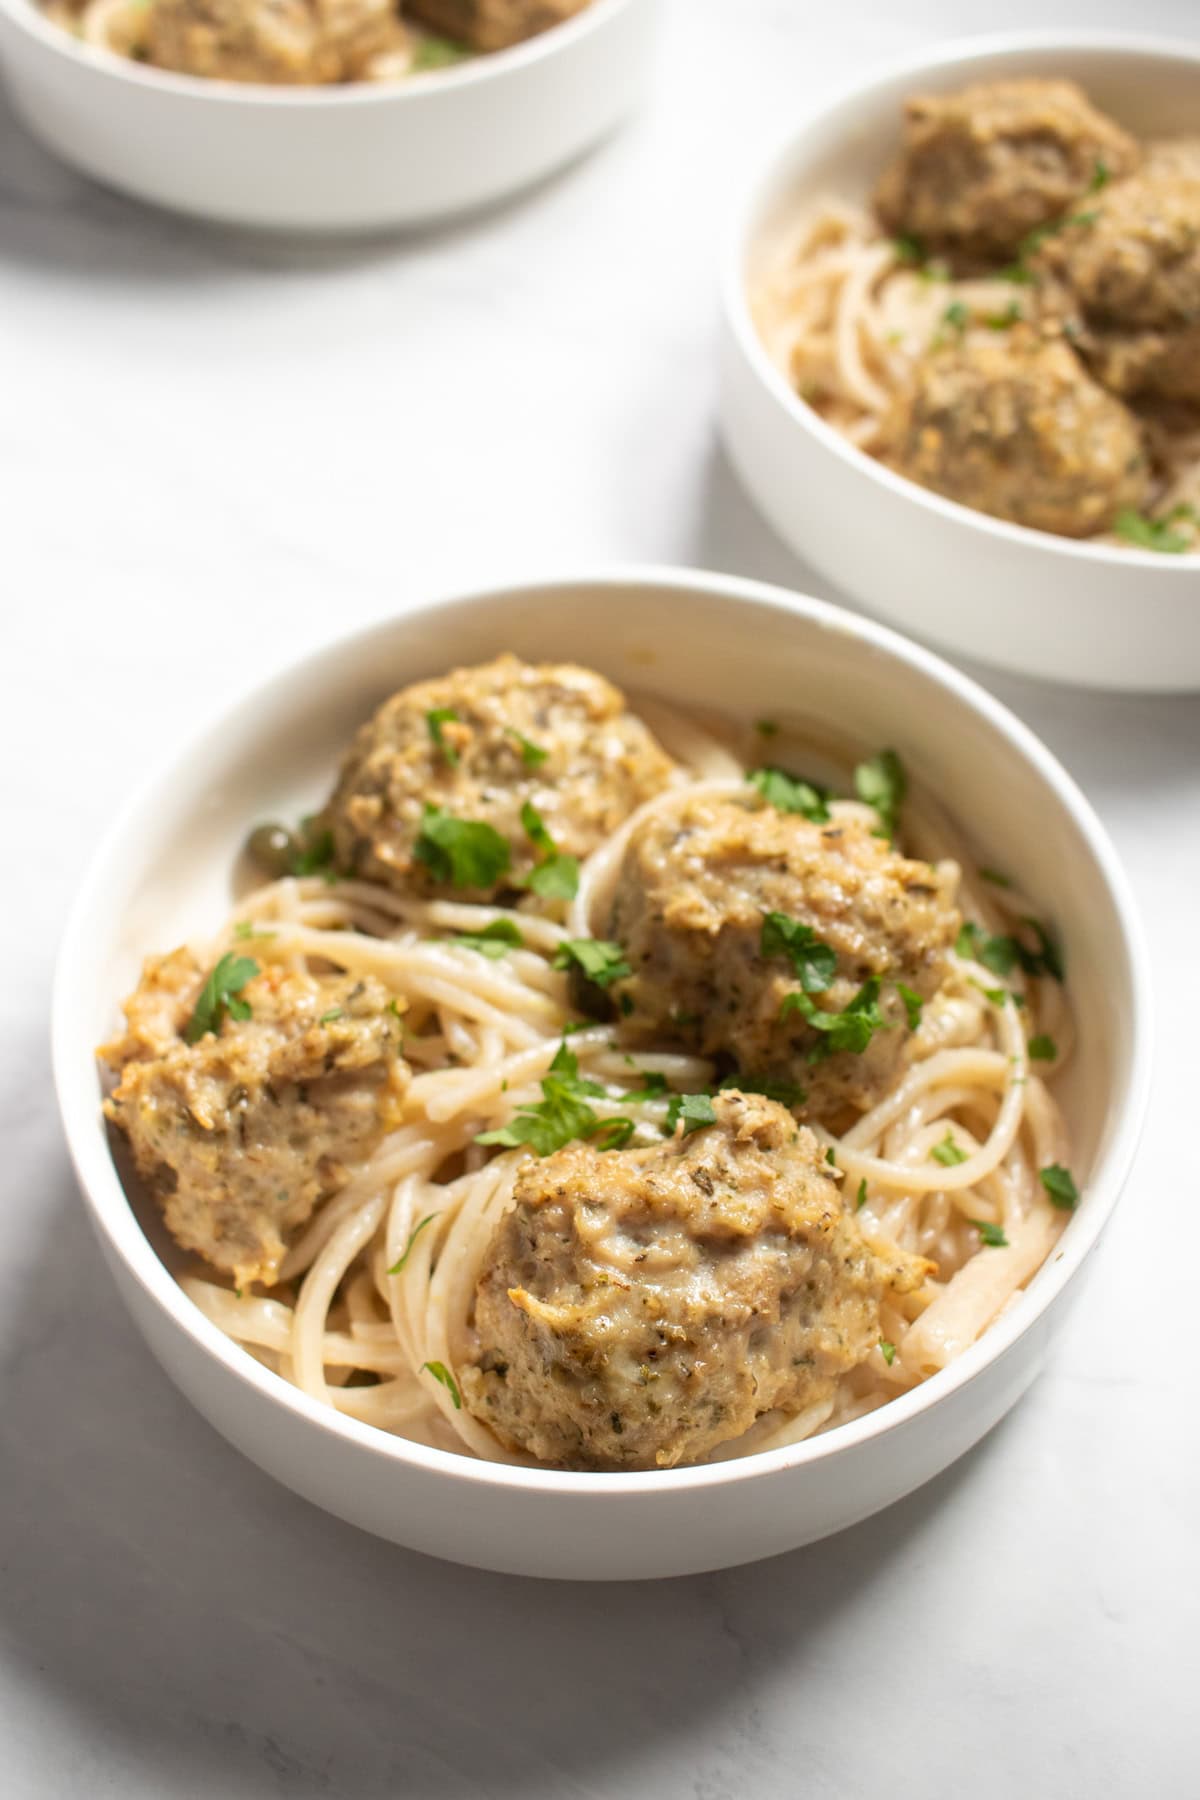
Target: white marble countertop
217, 450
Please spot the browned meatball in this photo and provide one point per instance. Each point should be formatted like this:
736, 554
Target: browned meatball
637, 1309
1011, 424
695, 887
276, 41
981, 168
242, 1133
493, 24
480, 744
1129, 270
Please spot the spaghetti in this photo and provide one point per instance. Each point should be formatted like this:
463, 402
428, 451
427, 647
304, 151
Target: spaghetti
372, 1314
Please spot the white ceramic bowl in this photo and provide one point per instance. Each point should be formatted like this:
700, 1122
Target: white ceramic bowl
1024, 600
710, 641
349, 158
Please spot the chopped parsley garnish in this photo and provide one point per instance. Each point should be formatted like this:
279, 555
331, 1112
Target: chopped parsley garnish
999, 996
696, 1111
948, 1153
785, 1092
555, 877
246, 928
1043, 1048
494, 940
996, 878
831, 1157
654, 1086
788, 795
439, 716
1002, 321
861, 1198
613, 1134
767, 728
909, 249
882, 783
562, 1114
1151, 534
1101, 175
433, 52
850, 1030
598, 960
814, 962
1060, 1185
398, 1266
532, 755
887, 1351
956, 317
468, 853
314, 855
335, 1012
1002, 954
992, 1235
441, 1373
914, 1006
220, 996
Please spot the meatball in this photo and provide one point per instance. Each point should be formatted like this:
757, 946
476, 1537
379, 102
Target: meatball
1011, 424
982, 168
480, 744
693, 893
277, 41
1128, 270
242, 1133
493, 24
638, 1308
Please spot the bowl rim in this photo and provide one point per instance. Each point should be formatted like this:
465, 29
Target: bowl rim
27, 16
120, 1232
784, 156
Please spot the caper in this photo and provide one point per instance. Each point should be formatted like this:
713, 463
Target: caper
273, 848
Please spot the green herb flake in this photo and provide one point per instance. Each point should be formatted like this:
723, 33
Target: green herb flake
398, 1267
467, 853
956, 318
1043, 1048
850, 1030
435, 719
1060, 1186
696, 1111
654, 1087
532, 755
914, 1006
996, 878
882, 783
315, 854
887, 1351
434, 52
246, 929
1101, 176
909, 249
1004, 321
335, 1012
767, 728
1150, 534
555, 877
562, 1114
788, 795
814, 962
861, 1197
598, 960
831, 1157
786, 1093
992, 1235
441, 1373
948, 1153
220, 997
494, 940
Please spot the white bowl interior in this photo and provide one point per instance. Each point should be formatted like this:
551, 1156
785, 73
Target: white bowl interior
166, 873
